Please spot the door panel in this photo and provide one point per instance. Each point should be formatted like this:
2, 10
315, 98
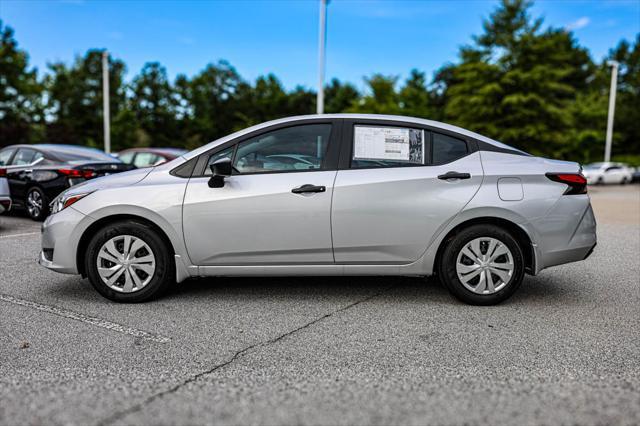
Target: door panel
390, 215
257, 220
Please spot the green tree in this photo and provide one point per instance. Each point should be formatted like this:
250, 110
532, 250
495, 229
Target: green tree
21, 111
382, 97
626, 140
206, 103
518, 83
415, 97
339, 97
154, 106
267, 100
75, 100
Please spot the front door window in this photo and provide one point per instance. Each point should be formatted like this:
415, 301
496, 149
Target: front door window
290, 149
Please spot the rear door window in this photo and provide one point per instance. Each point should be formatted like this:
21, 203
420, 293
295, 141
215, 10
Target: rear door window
24, 156
447, 149
386, 146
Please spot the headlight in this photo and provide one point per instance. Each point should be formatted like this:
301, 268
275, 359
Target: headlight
63, 201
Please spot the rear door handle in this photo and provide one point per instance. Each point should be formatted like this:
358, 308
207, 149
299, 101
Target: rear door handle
454, 175
308, 188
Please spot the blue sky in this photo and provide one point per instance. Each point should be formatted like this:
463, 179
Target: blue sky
258, 37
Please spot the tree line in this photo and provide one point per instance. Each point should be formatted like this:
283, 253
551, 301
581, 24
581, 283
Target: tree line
527, 85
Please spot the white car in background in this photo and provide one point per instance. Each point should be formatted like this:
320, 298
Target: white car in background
599, 173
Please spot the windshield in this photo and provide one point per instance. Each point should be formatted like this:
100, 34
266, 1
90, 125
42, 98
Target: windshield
594, 166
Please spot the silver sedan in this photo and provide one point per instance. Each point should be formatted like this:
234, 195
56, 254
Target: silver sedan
327, 195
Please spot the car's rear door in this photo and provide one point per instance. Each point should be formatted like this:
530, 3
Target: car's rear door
275, 208
392, 194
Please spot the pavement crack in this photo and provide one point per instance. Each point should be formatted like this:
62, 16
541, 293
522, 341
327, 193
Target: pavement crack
137, 407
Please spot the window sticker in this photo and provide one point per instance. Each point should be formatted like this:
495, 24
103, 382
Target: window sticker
388, 143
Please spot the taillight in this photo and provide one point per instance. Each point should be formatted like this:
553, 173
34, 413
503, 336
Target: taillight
576, 181
87, 174
3, 172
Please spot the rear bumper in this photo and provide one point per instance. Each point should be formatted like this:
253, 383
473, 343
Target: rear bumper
566, 237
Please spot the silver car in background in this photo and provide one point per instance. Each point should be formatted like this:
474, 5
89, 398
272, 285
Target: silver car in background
343, 194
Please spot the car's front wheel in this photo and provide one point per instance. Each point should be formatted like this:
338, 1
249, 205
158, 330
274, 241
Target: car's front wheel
129, 262
482, 265
37, 204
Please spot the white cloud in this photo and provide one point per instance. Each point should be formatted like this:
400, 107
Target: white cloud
577, 24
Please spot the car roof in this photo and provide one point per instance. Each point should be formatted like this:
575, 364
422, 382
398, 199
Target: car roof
65, 148
379, 117
176, 152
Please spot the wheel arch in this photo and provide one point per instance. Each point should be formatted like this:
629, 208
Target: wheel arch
102, 222
521, 236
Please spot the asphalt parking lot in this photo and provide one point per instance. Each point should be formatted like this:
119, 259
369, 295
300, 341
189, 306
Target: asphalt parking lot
564, 350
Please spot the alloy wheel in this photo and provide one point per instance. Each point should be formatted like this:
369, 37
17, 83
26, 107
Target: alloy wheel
485, 265
126, 263
34, 203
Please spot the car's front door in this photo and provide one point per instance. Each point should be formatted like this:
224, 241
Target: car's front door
397, 186
275, 207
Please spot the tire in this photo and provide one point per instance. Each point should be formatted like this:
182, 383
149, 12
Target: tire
37, 204
457, 257
152, 277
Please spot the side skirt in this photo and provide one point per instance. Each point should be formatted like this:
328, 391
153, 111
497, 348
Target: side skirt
306, 270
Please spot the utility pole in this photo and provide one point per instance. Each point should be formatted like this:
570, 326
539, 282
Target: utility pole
612, 108
322, 39
105, 101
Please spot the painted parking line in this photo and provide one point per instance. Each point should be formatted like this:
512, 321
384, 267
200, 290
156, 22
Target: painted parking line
19, 235
98, 322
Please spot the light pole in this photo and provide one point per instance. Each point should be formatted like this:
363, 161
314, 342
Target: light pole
612, 108
322, 39
105, 101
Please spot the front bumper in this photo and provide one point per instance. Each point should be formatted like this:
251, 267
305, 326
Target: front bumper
60, 237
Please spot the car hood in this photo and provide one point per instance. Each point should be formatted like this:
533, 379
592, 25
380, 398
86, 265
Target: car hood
112, 181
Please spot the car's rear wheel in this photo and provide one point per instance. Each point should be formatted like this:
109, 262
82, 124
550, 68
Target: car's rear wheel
37, 204
482, 265
129, 262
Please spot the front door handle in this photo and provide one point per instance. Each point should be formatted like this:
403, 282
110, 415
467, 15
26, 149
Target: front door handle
308, 188
454, 175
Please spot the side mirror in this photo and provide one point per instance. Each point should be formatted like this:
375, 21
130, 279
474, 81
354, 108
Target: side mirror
220, 169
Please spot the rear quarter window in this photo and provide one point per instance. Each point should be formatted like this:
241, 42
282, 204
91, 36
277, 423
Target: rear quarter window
447, 149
